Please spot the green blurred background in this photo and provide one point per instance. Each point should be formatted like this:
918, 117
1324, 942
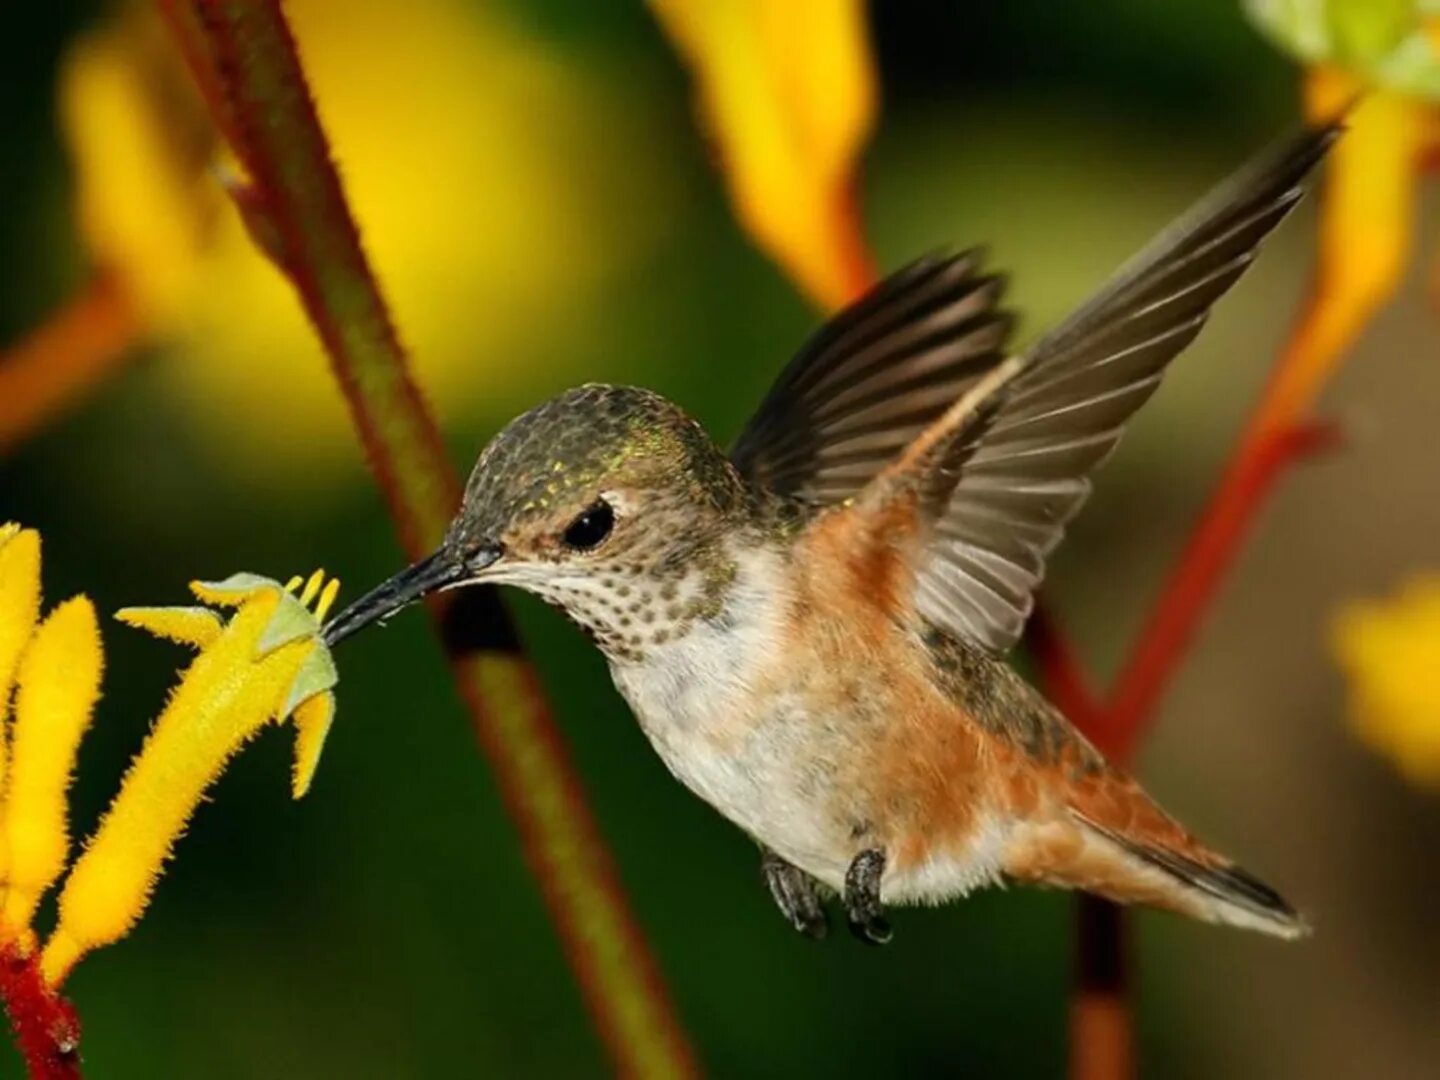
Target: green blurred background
385, 926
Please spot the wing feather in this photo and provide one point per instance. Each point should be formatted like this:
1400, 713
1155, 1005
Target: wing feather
910, 390
1064, 413
875, 377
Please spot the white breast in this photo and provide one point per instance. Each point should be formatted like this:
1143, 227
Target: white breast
693, 681
694, 698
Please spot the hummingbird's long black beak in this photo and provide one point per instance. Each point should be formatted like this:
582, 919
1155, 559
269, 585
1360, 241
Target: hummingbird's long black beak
437, 571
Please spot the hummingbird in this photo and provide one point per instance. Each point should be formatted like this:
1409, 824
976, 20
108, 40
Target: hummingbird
812, 627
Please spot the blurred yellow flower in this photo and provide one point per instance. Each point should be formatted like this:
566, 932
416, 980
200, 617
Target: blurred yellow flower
267, 663
1381, 59
460, 140
1390, 652
788, 90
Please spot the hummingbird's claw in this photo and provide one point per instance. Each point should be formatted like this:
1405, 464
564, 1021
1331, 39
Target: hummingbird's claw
796, 894
862, 898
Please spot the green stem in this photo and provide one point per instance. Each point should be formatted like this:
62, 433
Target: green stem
244, 61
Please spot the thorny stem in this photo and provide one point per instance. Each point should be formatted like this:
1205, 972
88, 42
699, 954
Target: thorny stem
244, 60
47, 1031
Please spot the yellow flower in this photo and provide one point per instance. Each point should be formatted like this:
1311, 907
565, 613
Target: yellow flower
789, 92
459, 138
267, 663
1386, 55
55, 668
1390, 652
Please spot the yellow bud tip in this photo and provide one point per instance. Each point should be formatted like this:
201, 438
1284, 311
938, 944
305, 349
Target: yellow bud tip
312, 587
60, 956
293, 583
19, 598
327, 600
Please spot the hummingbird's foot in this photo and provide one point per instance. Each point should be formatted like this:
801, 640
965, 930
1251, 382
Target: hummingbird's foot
862, 898
796, 894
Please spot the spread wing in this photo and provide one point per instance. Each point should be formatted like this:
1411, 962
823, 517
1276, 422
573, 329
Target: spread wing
874, 378
1021, 464
1002, 465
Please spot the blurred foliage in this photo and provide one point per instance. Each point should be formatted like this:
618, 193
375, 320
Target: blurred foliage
1396, 43
427, 169
542, 212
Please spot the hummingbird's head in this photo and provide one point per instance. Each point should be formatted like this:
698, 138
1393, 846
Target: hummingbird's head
608, 502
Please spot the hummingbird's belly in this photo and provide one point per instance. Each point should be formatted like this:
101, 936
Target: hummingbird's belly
749, 752
810, 726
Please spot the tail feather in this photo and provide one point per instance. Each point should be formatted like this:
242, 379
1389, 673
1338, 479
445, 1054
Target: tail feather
1219, 891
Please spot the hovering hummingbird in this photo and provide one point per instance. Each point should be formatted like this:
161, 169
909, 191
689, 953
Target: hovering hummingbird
811, 629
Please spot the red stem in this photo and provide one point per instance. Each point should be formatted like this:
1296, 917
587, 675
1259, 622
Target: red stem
50, 368
1186, 595
245, 63
1102, 1037
47, 1031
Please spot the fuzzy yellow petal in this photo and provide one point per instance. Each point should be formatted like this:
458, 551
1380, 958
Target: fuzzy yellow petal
1390, 651
19, 599
19, 608
232, 591
265, 663
788, 90
58, 684
313, 718
195, 626
224, 698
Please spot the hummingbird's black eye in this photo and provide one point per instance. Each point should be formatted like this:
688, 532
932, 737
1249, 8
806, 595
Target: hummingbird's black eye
590, 528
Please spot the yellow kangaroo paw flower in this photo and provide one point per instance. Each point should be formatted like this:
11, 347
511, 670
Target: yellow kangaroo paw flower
195, 626
267, 662
59, 682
